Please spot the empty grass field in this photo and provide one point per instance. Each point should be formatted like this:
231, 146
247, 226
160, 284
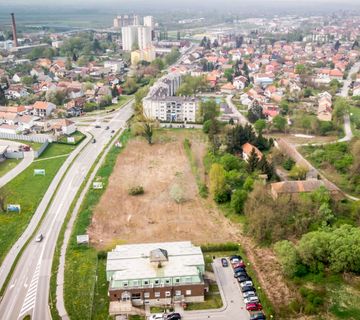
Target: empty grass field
27, 190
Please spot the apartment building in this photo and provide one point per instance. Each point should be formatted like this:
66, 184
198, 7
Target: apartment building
156, 273
129, 37
144, 37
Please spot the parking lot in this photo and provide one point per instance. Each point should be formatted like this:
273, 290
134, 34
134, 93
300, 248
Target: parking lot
234, 306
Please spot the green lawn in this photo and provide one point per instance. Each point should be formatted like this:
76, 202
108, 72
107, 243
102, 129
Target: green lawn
88, 300
212, 300
355, 120
27, 190
8, 165
122, 101
77, 135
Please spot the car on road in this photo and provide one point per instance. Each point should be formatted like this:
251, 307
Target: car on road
173, 316
94, 141
107, 128
246, 284
97, 126
39, 237
156, 316
251, 299
249, 294
248, 289
254, 306
224, 262
257, 316
112, 131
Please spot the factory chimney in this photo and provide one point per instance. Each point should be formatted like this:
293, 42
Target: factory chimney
14, 30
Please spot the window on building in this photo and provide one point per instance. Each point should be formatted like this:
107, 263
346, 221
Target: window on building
157, 294
178, 292
167, 294
125, 284
167, 281
157, 281
188, 292
146, 295
177, 280
146, 282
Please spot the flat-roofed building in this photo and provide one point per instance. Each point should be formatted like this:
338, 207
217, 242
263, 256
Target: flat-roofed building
156, 273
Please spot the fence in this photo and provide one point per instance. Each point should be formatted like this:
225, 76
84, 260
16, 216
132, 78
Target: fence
38, 153
33, 138
14, 155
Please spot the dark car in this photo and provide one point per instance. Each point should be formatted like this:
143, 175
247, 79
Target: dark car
224, 262
243, 278
112, 131
240, 274
107, 128
97, 126
248, 289
94, 141
239, 269
173, 316
258, 316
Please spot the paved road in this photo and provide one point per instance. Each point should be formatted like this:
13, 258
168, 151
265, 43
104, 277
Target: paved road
233, 308
345, 89
28, 290
23, 164
236, 113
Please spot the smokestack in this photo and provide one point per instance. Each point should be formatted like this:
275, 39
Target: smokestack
14, 30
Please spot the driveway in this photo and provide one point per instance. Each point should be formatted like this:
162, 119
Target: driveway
235, 112
234, 306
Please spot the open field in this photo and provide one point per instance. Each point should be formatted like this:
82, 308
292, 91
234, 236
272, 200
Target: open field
7, 165
160, 169
27, 190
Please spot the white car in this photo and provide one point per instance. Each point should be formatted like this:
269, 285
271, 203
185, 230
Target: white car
251, 300
157, 316
39, 237
246, 284
249, 294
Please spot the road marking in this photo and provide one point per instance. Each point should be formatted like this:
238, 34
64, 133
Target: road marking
29, 302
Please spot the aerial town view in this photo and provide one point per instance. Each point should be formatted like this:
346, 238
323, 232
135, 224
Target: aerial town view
174, 159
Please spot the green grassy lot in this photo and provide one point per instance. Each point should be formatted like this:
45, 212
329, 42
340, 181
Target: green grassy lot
88, 299
8, 165
355, 120
27, 190
212, 300
122, 101
77, 135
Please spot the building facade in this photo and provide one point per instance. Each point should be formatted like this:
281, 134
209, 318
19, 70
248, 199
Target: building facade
129, 37
144, 37
156, 273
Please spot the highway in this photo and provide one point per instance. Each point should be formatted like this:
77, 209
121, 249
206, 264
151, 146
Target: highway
28, 290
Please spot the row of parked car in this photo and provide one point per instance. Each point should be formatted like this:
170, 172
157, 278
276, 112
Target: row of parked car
165, 316
248, 290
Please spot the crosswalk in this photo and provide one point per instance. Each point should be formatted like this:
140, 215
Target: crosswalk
30, 299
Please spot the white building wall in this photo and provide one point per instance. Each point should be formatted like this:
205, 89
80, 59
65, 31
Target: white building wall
129, 37
144, 37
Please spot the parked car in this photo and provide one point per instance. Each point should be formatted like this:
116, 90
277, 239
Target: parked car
249, 294
240, 273
248, 289
156, 316
97, 126
112, 131
235, 258
243, 278
246, 284
238, 269
173, 316
94, 141
257, 316
224, 262
239, 264
251, 299
107, 128
254, 306
39, 237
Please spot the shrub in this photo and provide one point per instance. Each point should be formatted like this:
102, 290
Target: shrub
288, 164
228, 246
238, 199
135, 191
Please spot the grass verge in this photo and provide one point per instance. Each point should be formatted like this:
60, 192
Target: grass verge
77, 135
7, 165
86, 300
27, 190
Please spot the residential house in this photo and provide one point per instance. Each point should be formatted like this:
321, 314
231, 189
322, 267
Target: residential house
270, 110
64, 126
324, 111
247, 149
239, 82
228, 88
43, 108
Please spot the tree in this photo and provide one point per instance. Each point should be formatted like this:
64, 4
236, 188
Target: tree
260, 125
255, 113
27, 81
148, 132
298, 172
173, 56
218, 187
300, 69
68, 64
238, 199
252, 161
209, 110
230, 162
288, 257
341, 107
228, 74
279, 123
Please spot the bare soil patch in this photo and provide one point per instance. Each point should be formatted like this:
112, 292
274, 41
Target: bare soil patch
155, 216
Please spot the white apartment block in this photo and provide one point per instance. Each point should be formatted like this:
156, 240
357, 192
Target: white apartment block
129, 37
149, 21
144, 37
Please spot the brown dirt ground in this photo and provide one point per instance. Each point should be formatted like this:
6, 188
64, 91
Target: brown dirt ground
154, 216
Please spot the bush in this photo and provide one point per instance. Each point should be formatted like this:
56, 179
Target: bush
102, 255
238, 199
135, 191
288, 164
228, 246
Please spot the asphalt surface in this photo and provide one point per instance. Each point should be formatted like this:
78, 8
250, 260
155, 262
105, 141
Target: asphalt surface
235, 112
28, 290
233, 303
